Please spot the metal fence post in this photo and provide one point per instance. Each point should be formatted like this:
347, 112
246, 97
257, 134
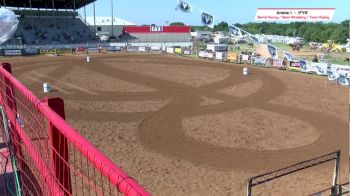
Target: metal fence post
59, 153
12, 156
249, 187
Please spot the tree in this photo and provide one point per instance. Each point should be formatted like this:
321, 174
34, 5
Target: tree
339, 35
177, 24
222, 26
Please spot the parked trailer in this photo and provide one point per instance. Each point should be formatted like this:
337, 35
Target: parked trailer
217, 47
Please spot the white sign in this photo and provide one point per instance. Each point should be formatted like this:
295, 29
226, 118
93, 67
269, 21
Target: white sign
12, 52
142, 49
294, 14
170, 50
156, 29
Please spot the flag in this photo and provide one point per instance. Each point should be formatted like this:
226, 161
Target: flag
272, 50
183, 6
288, 56
235, 31
207, 19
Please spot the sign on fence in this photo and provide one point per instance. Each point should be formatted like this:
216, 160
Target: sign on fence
92, 50
30, 51
114, 48
170, 50
277, 63
178, 50
12, 52
142, 49
187, 52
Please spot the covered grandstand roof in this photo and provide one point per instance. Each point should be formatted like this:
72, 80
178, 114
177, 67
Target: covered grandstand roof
57, 4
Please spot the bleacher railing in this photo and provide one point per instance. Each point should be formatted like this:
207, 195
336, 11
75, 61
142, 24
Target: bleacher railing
51, 157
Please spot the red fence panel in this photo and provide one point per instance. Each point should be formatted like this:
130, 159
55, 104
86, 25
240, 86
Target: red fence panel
41, 162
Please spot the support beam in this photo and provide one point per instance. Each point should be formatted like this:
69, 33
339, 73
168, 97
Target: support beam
54, 13
85, 16
112, 17
94, 16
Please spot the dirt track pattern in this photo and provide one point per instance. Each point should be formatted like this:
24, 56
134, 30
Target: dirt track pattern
150, 143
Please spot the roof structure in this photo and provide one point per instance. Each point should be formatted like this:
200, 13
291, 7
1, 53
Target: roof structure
46, 4
105, 21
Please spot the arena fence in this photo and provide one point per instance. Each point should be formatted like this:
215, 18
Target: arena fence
48, 156
264, 178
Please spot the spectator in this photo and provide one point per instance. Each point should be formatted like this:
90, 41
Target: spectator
315, 59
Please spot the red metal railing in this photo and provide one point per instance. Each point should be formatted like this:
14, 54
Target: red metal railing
51, 157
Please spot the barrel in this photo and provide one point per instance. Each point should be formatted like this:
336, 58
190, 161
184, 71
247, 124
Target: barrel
46, 88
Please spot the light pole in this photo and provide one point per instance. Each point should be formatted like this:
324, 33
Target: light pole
260, 30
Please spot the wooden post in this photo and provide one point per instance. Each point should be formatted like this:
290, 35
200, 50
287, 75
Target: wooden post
59, 144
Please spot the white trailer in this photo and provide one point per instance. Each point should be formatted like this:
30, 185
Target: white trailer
222, 40
217, 47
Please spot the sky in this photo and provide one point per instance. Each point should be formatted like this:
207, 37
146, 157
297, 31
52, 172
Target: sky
162, 12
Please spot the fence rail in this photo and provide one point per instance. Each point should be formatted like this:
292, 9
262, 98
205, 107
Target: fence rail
51, 157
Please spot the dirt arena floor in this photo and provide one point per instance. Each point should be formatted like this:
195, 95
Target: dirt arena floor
182, 126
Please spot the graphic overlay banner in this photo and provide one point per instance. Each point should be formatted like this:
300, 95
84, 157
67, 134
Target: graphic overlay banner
294, 14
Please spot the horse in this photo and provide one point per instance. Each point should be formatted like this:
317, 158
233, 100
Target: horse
296, 47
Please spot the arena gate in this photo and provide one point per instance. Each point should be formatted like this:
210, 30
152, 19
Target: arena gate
336, 189
45, 154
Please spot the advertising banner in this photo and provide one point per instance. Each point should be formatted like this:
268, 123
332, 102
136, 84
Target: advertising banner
219, 56
12, 52
170, 50
30, 51
319, 68
142, 49
93, 50
277, 63
259, 61
178, 50
304, 66
187, 52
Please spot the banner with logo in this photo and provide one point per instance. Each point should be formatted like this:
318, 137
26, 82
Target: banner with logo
272, 50
170, 50
183, 6
304, 66
178, 50
332, 75
288, 56
319, 68
277, 63
341, 69
235, 31
12, 52
259, 61
30, 51
343, 80
207, 19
